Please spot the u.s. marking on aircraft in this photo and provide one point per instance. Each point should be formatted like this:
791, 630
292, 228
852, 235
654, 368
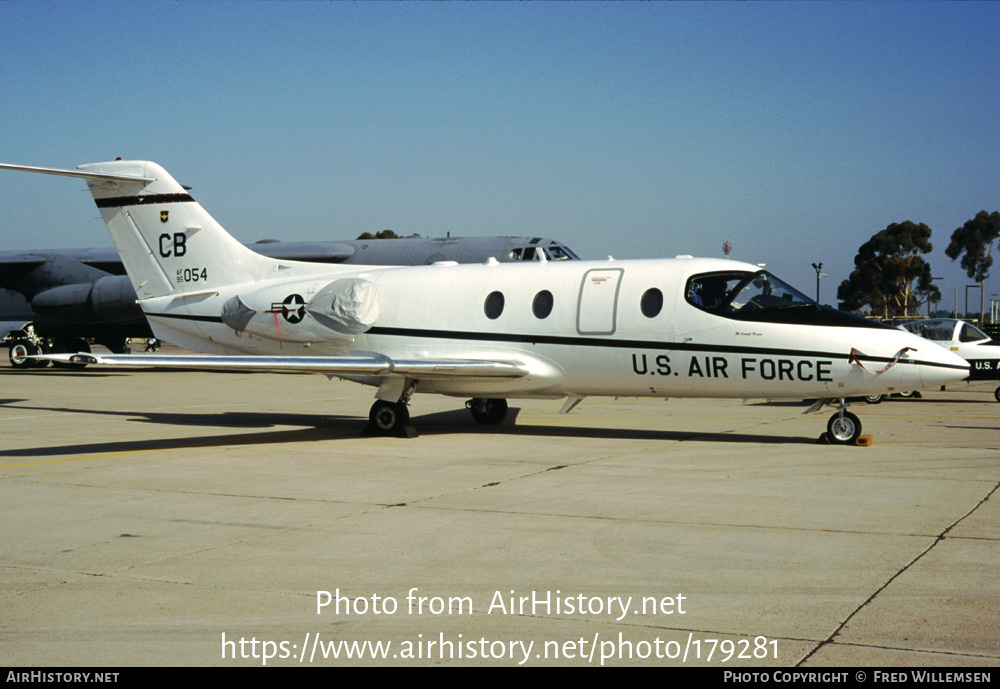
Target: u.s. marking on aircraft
681, 327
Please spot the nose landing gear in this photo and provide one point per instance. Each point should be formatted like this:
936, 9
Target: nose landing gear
843, 428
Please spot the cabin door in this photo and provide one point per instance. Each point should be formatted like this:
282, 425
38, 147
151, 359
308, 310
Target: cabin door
598, 305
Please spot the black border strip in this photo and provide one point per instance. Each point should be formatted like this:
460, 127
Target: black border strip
592, 342
145, 200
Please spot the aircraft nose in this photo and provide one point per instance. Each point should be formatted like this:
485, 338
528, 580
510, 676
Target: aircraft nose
938, 366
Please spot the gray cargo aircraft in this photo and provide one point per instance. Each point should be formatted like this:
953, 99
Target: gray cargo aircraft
59, 300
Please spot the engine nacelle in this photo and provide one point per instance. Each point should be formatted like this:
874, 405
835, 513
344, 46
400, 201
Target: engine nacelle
315, 312
109, 299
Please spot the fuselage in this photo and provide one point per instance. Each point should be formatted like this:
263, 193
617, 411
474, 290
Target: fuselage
630, 328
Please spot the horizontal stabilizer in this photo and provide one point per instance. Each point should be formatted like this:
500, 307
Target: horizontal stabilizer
85, 174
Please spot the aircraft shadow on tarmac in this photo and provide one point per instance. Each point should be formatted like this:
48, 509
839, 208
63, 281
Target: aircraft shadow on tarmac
326, 427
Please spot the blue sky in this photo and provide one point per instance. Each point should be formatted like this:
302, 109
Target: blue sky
793, 130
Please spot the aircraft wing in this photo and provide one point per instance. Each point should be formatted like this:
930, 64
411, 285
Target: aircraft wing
315, 252
20, 258
360, 365
99, 258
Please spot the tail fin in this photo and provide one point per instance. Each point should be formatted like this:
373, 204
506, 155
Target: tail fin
168, 242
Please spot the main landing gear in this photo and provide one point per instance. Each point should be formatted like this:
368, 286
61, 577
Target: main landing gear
20, 353
391, 418
488, 412
388, 418
906, 394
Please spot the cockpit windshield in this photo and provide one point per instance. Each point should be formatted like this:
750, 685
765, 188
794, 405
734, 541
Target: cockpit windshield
552, 252
743, 295
934, 330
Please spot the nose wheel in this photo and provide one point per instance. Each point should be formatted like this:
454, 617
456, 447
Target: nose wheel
843, 428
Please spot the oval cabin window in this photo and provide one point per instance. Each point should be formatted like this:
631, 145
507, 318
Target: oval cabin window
494, 305
542, 305
652, 303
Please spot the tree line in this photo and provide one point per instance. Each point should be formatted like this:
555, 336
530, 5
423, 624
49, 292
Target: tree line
892, 278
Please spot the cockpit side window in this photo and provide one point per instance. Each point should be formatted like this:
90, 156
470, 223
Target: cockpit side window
742, 294
713, 292
559, 253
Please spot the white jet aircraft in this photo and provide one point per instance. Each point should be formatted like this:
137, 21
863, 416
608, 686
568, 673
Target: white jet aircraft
969, 342
681, 327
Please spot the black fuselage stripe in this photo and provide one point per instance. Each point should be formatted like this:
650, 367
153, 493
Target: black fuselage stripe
145, 200
630, 344
591, 342
186, 317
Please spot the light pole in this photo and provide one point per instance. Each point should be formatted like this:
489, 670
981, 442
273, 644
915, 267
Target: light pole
955, 313
818, 267
967, 298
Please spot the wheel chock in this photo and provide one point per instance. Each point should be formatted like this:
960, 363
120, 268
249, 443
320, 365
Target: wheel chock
862, 441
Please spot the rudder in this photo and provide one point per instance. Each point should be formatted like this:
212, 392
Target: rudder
168, 243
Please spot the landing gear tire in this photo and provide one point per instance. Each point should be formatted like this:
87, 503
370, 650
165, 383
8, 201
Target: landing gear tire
19, 353
488, 412
996, 394
388, 418
42, 348
873, 399
843, 430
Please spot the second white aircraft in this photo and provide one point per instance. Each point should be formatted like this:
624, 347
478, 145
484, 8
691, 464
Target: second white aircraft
681, 327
